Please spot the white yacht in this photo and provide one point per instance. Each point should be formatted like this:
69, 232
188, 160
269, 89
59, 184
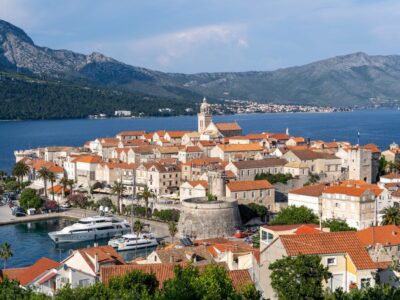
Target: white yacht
91, 228
132, 241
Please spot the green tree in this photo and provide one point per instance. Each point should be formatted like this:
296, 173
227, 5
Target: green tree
173, 230
295, 215
118, 189
146, 194
43, 174
64, 184
391, 215
137, 229
52, 179
70, 183
298, 278
260, 210
20, 170
337, 225
383, 166
5, 253
30, 199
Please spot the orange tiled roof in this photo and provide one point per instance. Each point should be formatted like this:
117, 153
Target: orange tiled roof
329, 243
262, 163
279, 136
177, 134
307, 229
372, 147
132, 133
237, 186
195, 183
384, 235
105, 254
298, 139
58, 189
207, 143
38, 268
353, 191
12, 274
311, 190
193, 149
391, 176
90, 159
228, 126
288, 227
165, 271
240, 147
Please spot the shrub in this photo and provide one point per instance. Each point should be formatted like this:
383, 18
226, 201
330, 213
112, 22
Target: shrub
167, 215
30, 199
78, 200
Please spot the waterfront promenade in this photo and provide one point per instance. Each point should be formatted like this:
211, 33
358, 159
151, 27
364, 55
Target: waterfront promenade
158, 228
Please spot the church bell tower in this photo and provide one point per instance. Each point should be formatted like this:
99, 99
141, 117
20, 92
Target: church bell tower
204, 117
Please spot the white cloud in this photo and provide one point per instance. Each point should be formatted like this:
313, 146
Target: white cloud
171, 46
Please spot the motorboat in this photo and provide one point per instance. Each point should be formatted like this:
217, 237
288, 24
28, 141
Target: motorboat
91, 228
133, 241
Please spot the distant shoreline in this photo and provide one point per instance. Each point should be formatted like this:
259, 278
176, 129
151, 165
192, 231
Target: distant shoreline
172, 116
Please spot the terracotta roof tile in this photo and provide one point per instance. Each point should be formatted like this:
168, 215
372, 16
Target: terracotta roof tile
329, 243
90, 159
240, 279
311, 190
228, 126
195, 183
132, 133
240, 147
277, 228
237, 186
38, 268
384, 235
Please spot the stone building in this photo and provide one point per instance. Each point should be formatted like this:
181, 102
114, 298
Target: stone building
203, 219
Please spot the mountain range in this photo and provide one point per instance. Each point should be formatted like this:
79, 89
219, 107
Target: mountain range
348, 80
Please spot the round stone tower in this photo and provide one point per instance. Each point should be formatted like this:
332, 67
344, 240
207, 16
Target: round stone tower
203, 219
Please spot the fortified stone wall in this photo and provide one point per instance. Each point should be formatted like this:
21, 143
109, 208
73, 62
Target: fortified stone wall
202, 219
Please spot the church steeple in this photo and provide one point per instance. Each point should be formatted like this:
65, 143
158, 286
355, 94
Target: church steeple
204, 117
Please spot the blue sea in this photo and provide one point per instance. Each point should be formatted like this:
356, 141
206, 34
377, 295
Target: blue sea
381, 127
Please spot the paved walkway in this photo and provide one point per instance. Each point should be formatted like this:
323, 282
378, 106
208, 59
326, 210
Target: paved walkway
158, 228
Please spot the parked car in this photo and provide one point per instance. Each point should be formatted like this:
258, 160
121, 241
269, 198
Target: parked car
66, 205
18, 211
240, 234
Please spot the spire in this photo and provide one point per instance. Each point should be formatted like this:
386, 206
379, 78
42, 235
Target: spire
204, 100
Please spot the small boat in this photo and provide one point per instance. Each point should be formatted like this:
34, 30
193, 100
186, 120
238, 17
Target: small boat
91, 228
132, 241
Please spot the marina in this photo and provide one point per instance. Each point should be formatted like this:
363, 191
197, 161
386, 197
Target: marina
29, 239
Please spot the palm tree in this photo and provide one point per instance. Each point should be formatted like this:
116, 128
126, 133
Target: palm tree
146, 194
173, 230
43, 173
20, 170
52, 179
70, 183
118, 189
391, 215
5, 253
64, 184
137, 229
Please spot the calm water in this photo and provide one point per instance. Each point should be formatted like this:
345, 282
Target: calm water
29, 242
376, 126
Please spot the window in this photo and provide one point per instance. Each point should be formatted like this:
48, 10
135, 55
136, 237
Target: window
331, 261
365, 282
83, 282
337, 205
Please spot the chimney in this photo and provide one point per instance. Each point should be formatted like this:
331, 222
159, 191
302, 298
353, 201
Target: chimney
96, 263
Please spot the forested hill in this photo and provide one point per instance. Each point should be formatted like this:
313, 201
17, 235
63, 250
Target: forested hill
25, 97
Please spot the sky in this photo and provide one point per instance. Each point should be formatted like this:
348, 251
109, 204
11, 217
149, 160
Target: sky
210, 36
